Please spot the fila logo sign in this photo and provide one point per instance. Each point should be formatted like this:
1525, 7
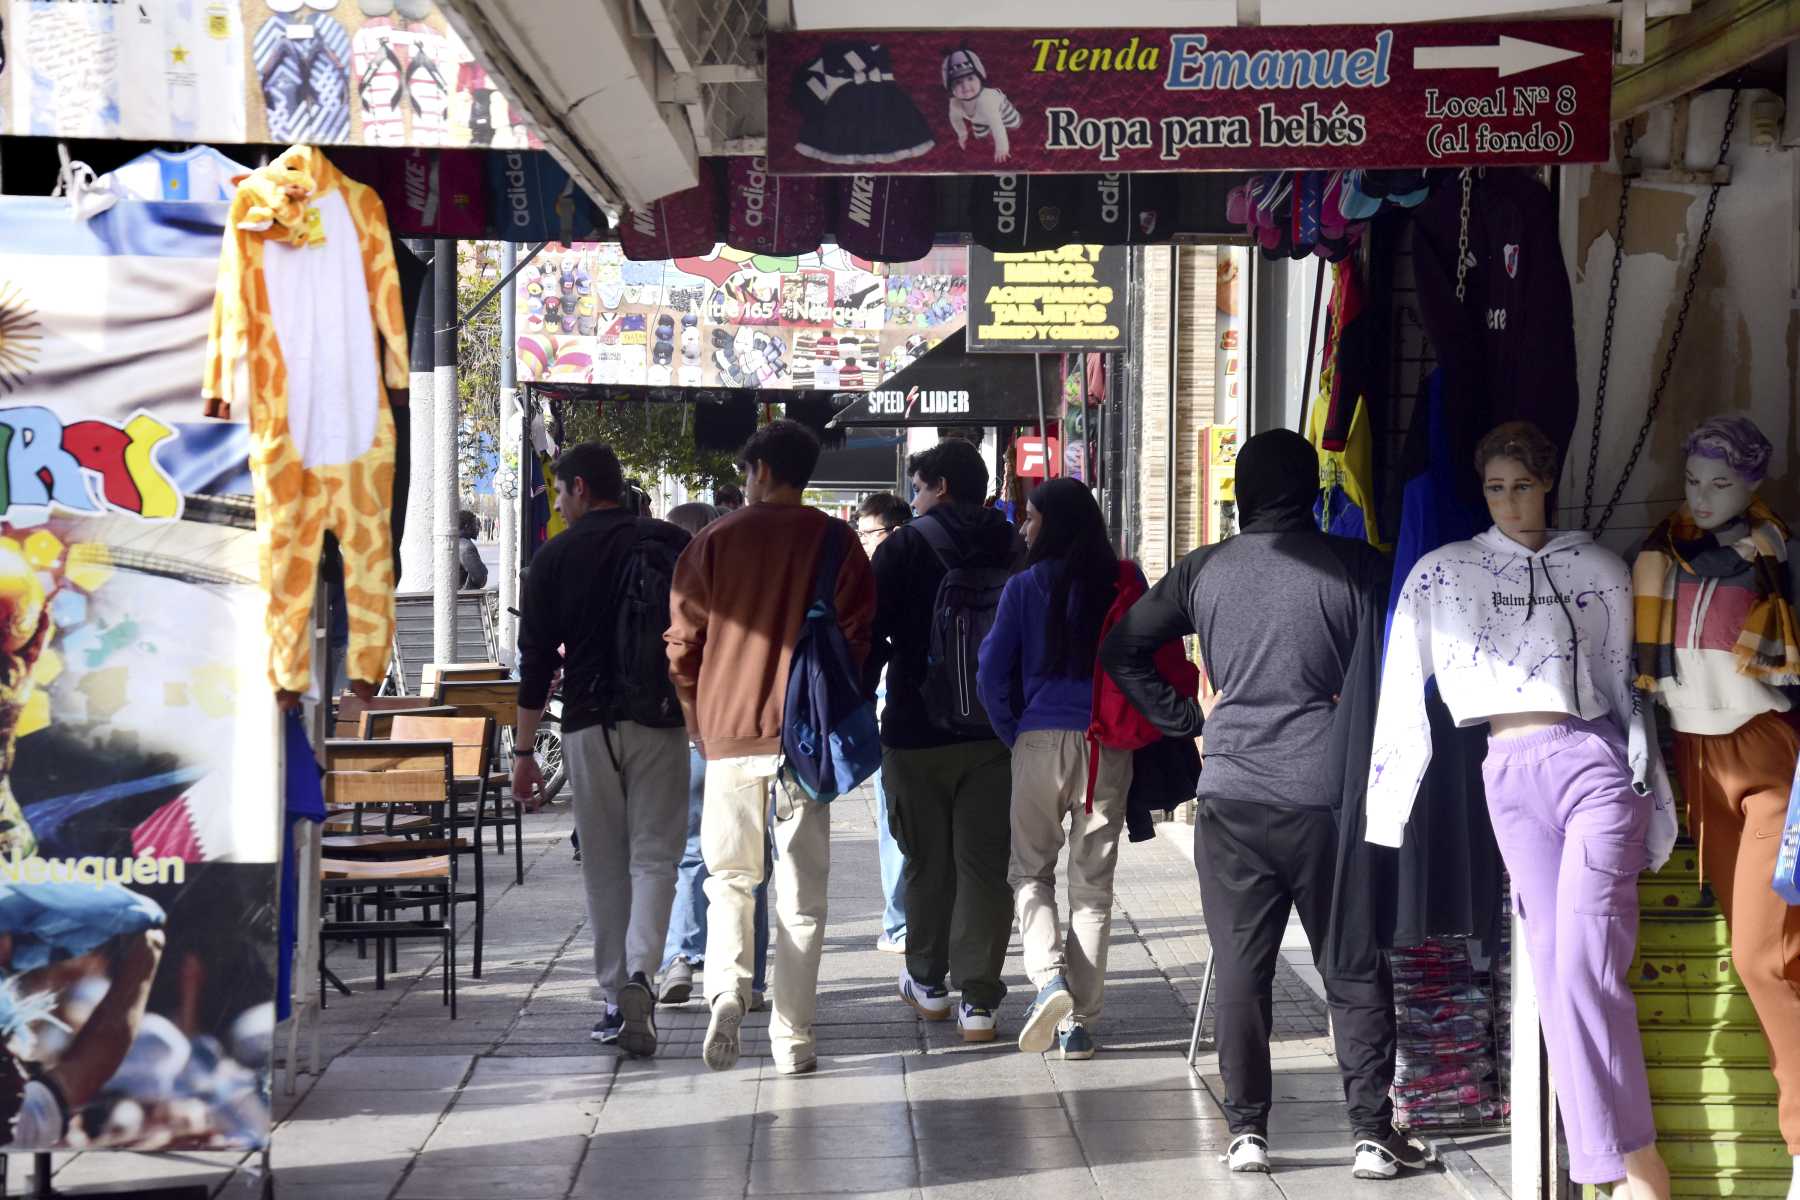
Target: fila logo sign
935, 402
1035, 454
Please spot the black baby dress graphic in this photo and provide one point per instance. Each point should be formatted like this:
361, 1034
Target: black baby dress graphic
856, 113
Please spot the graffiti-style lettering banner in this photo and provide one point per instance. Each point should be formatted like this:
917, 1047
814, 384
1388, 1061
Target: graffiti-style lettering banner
1317, 96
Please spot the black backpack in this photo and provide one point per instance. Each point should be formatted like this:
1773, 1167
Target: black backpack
636, 686
961, 616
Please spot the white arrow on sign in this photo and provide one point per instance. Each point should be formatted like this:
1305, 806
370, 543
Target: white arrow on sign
1510, 56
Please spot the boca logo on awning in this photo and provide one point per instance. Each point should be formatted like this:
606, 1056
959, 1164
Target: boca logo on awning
92, 466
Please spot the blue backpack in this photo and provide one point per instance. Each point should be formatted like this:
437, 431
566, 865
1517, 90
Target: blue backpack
828, 733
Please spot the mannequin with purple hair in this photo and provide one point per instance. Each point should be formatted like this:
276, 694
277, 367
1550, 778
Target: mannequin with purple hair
1718, 644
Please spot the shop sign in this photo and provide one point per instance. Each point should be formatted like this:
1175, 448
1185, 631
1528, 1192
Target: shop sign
1035, 454
1071, 298
919, 402
1319, 96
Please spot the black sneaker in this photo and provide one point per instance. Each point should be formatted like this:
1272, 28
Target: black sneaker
637, 1006
1386, 1156
606, 1031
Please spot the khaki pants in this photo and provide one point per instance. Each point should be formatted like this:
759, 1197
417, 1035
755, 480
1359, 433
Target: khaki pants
734, 820
1050, 773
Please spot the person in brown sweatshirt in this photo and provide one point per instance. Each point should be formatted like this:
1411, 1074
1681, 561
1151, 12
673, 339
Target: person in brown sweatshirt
740, 594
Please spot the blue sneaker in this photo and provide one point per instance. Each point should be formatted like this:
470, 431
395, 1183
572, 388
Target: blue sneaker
606, 1030
1074, 1042
1053, 1006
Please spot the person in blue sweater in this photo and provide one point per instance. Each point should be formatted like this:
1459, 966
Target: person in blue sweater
1036, 681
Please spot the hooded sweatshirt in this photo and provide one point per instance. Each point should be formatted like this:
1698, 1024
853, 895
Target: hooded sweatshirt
1506, 630
1278, 612
1014, 654
907, 575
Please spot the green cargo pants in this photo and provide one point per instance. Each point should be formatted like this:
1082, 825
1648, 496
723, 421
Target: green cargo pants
950, 808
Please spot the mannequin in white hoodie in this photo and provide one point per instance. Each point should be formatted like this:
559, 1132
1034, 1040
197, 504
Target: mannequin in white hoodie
1532, 634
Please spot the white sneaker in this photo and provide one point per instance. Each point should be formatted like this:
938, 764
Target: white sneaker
722, 1033
1248, 1155
931, 1003
976, 1023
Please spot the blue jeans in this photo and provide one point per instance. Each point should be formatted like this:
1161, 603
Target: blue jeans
893, 862
687, 921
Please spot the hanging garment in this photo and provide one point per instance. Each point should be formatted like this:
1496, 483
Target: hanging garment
381, 52
1433, 514
885, 218
304, 800
1349, 469
682, 225
199, 173
773, 214
1508, 350
309, 335
1449, 867
305, 77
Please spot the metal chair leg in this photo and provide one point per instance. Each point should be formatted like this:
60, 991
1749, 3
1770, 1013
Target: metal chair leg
518, 843
1200, 1009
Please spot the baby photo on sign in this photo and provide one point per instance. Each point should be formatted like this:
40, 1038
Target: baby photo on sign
976, 108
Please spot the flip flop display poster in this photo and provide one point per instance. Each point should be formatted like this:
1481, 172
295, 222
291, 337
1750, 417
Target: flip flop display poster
330, 72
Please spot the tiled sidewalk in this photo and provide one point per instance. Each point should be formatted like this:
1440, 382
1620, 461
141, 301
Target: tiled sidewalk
513, 1100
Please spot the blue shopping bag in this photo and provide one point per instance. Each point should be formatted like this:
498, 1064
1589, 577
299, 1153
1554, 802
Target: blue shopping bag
1787, 860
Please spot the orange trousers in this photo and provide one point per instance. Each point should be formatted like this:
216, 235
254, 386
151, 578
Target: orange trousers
1737, 789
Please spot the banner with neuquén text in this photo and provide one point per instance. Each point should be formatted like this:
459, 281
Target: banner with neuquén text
1298, 97
140, 797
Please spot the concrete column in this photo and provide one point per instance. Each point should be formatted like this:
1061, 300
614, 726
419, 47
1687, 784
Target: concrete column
444, 417
415, 545
511, 425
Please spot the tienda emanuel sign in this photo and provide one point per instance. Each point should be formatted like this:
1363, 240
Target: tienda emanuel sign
1320, 96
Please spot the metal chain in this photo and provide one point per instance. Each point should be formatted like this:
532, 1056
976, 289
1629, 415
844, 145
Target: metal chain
1687, 303
1462, 238
1612, 320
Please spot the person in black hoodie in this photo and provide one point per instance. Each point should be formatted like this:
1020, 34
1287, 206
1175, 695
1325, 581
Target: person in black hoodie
949, 792
1279, 610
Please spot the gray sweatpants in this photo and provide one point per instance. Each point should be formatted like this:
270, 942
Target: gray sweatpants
630, 786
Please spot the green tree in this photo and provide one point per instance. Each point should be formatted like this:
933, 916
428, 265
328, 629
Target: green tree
478, 351
654, 441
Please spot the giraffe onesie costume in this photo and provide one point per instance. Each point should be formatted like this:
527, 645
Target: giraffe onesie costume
308, 337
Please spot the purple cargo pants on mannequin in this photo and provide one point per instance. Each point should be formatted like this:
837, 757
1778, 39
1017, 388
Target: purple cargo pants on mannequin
1571, 830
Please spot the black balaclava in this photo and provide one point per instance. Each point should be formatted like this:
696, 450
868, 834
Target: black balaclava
1277, 482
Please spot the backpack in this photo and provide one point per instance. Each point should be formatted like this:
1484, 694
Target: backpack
830, 742
1116, 724
636, 686
961, 617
